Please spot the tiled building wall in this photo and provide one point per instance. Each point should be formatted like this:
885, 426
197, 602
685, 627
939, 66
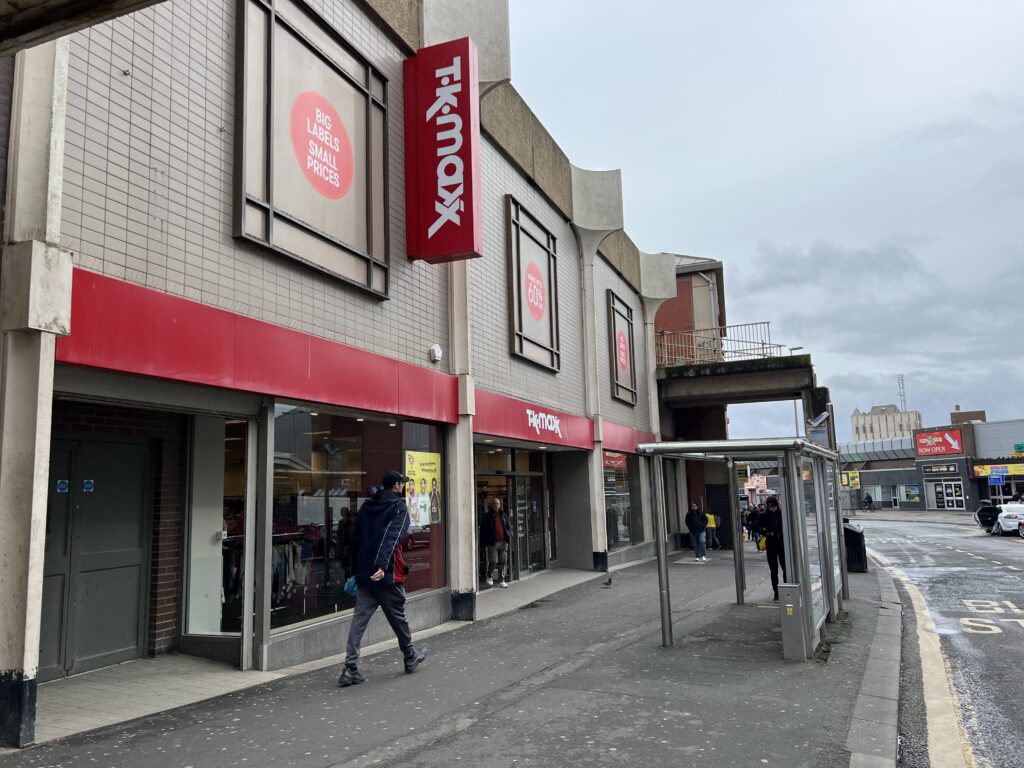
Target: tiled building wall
148, 180
166, 435
494, 366
637, 416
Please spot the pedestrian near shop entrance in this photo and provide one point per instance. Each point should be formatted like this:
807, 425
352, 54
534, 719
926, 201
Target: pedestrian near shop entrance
711, 534
380, 570
769, 525
495, 534
697, 523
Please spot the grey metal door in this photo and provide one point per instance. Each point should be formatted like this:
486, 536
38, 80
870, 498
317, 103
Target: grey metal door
95, 574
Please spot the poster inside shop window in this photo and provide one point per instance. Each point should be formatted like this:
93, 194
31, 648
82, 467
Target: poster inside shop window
423, 493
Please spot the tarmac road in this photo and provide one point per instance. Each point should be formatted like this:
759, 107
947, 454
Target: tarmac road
973, 587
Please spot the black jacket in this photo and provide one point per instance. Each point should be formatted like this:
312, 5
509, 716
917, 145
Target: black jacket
488, 530
381, 526
696, 521
770, 523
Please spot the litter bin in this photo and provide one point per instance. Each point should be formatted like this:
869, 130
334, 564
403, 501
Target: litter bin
856, 550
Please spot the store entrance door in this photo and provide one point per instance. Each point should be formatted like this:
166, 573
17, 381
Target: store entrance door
94, 572
522, 496
529, 522
945, 494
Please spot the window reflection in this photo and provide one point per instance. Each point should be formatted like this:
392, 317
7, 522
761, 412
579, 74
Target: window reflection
326, 465
622, 503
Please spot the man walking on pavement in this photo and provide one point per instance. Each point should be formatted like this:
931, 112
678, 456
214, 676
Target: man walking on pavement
696, 523
381, 526
495, 534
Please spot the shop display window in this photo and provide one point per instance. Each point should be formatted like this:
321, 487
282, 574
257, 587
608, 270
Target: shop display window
326, 466
623, 504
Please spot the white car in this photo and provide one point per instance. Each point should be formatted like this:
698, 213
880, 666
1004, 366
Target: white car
1009, 519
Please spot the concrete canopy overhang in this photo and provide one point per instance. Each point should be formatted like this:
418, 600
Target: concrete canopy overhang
25, 23
739, 381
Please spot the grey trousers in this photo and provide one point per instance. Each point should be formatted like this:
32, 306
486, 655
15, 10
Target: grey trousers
497, 555
391, 599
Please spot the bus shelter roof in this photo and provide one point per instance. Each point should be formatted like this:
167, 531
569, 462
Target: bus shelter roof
723, 450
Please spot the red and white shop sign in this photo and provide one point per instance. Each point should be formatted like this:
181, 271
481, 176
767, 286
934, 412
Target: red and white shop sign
939, 443
321, 145
508, 417
614, 460
533, 288
622, 350
442, 153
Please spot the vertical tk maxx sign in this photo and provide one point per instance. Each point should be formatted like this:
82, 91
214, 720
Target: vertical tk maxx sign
442, 153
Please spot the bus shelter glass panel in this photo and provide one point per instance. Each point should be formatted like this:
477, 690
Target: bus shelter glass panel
812, 525
835, 524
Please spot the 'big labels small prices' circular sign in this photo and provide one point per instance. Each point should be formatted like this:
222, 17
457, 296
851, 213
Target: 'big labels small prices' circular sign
534, 287
321, 145
622, 349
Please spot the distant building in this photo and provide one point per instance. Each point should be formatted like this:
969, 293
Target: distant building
966, 417
882, 422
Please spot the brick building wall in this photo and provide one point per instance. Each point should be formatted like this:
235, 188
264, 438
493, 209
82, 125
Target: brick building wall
494, 367
677, 314
605, 279
148, 184
166, 435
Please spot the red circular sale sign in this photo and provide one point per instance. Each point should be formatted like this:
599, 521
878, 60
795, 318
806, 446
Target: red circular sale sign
321, 145
534, 287
622, 350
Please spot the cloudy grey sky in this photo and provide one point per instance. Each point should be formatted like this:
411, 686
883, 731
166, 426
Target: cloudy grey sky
857, 166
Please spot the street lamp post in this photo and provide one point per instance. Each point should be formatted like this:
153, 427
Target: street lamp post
796, 421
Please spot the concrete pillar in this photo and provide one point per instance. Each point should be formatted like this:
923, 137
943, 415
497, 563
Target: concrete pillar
35, 307
597, 212
485, 22
263, 543
461, 521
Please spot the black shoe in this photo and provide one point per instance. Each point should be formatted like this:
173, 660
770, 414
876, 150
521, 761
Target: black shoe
776, 598
413, 658
350, 676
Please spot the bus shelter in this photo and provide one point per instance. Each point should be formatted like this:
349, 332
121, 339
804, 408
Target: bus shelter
815, 552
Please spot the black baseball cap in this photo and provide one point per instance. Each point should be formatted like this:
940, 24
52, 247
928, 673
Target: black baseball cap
392, 477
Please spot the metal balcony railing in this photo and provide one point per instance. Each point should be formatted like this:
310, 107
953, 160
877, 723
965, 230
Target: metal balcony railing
747, 341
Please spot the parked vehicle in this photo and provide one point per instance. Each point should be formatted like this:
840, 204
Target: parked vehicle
1008, 520
986, 513
1020, 528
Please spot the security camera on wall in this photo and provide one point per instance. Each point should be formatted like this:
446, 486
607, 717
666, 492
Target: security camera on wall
436, 353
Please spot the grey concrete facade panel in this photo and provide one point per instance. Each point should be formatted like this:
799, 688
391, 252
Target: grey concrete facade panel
148, 191
494, 367
638, 416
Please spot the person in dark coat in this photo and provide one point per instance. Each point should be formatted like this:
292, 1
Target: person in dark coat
696, 523
380, 570
769, 524
495, 534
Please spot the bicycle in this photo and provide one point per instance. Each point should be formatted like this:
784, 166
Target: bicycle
868, 506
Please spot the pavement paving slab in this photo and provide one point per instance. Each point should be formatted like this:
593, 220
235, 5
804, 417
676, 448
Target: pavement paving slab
575, 677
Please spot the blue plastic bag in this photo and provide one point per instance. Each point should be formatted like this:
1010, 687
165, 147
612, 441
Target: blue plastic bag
350, 586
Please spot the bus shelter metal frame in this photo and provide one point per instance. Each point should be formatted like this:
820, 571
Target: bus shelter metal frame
790, 454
